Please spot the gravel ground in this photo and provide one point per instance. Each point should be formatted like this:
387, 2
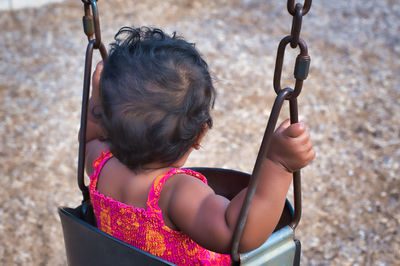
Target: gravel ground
350, 102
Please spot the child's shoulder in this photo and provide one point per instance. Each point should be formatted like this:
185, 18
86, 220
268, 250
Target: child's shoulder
188, 179
186, 191
185, 185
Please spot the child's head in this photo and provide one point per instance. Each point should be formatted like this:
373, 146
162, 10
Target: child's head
156, 95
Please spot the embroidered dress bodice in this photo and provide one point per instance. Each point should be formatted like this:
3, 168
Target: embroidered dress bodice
145, 228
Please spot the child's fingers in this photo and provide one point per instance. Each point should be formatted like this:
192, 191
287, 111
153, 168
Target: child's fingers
308, 148
304, 138
96, 78
311, 155
97, 71
285, 124
99, 65
295, 130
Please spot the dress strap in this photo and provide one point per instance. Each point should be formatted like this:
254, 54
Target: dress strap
155, 191
98, 165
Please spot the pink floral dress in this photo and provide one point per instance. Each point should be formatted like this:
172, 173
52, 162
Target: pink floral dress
145, 228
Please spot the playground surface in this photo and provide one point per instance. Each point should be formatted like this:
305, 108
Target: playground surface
350, 102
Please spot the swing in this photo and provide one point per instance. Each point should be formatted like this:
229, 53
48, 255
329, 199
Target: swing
87, 245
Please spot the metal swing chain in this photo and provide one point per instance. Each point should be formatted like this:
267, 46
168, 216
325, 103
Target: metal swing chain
91, 27
300, 73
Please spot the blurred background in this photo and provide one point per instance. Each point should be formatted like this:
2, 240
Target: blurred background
350, 102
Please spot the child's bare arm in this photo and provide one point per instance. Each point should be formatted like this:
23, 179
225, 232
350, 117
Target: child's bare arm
210, 219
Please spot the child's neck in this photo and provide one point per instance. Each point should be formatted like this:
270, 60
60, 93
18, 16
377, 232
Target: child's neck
160, 168
154, 171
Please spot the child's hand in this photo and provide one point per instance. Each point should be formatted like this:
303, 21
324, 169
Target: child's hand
96, 81
93, 129
291, 146
94, 101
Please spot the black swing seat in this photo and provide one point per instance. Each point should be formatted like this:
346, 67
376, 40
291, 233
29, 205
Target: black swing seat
87, 245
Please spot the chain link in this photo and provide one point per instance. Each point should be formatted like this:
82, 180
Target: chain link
87, 1
301, 67
296, 25
292, 9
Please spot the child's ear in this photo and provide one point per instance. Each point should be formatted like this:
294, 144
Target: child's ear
196, 146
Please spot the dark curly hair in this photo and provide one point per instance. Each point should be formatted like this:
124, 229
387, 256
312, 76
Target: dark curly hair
156, 94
